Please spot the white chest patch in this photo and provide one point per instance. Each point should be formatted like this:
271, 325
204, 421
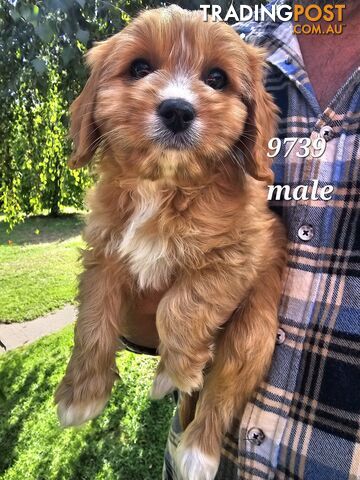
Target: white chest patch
146, 254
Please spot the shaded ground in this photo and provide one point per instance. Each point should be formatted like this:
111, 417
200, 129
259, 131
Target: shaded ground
125, 443
43, 229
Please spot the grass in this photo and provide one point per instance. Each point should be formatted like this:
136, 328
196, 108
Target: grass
38, 266
125, 443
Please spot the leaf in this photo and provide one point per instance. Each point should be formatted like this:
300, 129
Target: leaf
36, 10
14, 14
39, 65
67, 28
25, 12
44, 32
67, 55
54, 5
83, 36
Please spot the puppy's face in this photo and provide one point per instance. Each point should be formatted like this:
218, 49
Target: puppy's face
172, 88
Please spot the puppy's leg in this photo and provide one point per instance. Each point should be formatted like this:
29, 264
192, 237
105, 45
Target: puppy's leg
162, 384
91, 372
187, 408
187, 320
243, 354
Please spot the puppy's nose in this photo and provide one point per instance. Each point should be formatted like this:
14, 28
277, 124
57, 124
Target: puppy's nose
177, 114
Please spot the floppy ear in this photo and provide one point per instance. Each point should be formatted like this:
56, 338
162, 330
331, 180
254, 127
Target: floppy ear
260, 124
83, 129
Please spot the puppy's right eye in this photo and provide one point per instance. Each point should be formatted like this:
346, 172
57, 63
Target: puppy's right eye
140, 68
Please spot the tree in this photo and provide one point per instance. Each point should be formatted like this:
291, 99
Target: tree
41, 62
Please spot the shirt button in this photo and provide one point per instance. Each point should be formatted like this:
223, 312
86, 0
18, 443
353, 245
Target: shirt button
255, 436
326, 132
306, 232
280, 336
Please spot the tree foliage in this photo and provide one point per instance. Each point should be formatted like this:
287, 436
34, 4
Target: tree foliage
41, 64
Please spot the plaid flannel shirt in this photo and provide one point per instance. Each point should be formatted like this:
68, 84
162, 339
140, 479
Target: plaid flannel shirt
304, 422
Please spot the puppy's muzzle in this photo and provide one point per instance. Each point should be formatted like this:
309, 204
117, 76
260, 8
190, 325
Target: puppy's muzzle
176, 114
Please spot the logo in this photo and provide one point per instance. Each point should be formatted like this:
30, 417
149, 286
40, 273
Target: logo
313, 19
309, 19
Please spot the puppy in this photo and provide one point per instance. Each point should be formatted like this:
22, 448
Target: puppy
177, 112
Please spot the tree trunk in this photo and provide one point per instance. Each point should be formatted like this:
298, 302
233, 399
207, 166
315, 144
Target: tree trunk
55, 201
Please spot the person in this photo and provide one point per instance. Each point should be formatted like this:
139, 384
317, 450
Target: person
304, 421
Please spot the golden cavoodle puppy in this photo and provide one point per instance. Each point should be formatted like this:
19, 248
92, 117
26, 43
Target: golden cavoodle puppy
176, 110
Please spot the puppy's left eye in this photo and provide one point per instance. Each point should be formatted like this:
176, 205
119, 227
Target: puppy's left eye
216, 79
140, 68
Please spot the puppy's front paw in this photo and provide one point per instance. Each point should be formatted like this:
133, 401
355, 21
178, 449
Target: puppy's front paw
194, 464
162, 385
77, 413
81, 400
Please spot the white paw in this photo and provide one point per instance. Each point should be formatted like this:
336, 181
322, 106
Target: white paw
194, 464
162, 385
78, 413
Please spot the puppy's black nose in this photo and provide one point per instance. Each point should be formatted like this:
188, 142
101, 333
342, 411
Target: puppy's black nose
177, 114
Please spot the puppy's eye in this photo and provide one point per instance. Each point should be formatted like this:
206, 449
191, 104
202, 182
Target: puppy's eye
216, 79
140, 68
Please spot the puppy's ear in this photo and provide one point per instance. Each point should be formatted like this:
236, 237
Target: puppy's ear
83, 129
261, 122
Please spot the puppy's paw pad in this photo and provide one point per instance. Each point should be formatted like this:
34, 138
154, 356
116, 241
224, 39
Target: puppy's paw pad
78, 413
162, 385
194, 464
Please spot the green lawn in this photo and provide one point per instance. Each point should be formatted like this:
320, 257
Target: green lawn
125, 443
38, 266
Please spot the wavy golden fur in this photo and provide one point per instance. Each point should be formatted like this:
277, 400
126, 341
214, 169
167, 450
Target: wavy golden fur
188, 219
